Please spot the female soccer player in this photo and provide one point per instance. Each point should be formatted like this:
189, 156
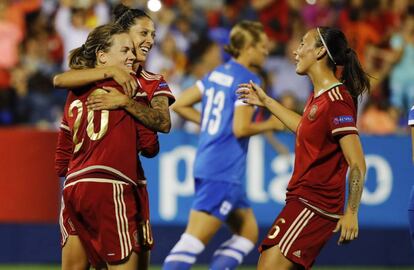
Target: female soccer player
142, 31
219, 169
104, 216
327, 143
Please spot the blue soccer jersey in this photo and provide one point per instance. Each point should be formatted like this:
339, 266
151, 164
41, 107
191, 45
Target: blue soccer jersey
220, 155
411, 117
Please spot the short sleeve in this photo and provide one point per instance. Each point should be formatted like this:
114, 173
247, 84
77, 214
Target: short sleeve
164, 90
247, 79
200, 86
342, 118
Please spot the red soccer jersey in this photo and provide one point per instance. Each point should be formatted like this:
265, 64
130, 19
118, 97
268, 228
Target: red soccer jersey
152, 85
104, 143
320, 166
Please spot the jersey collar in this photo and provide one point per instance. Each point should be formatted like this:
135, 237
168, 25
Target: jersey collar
329, 88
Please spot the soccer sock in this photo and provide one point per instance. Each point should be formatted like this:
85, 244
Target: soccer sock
184, 253
231, 253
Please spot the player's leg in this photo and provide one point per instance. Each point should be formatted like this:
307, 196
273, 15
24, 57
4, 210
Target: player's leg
135, 261
200, 229
209, 210
272, 259
295, 238
143, 260
131, 263
73, 254
231, 253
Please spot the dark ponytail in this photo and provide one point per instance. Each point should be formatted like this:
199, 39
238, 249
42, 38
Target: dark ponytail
353, 76
125, 16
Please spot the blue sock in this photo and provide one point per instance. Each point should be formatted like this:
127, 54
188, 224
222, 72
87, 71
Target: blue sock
184, 253
231, 253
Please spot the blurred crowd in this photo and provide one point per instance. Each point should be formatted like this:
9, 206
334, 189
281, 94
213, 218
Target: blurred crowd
36, 36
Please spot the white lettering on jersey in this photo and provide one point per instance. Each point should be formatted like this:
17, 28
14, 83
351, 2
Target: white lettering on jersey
221, 78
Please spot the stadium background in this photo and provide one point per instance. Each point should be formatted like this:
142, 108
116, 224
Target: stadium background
189, 43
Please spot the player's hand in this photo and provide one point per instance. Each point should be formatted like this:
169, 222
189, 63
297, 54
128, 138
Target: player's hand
125, 79
248, 94
110, 100
348, 225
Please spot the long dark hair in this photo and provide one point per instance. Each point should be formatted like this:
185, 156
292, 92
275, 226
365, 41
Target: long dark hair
100, 39
242, 33
125, 16
339, 53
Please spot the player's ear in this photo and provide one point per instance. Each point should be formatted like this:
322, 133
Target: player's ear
320, 52
101, 57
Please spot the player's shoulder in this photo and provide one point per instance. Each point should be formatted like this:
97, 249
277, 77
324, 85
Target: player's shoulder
338, 94
150, 76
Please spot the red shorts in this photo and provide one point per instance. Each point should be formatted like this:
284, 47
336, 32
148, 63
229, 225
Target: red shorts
110, 217
300, 233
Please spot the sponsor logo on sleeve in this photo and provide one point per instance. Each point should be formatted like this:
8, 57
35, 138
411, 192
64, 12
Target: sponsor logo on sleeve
163, 85
343, 119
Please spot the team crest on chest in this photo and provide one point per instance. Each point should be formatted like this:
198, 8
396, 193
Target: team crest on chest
312, 112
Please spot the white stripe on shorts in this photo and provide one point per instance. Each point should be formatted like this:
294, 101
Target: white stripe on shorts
121, 220
294, 230
298, 232
61, 224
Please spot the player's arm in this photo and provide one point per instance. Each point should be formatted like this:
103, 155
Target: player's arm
64, 151
352, 150
184, 104
155, 117
244, 127
81, 77
253, 94
148, 144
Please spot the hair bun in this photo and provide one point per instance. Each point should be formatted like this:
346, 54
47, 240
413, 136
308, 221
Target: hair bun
119, 10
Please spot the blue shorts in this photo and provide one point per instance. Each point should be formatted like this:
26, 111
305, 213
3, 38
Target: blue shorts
219, 198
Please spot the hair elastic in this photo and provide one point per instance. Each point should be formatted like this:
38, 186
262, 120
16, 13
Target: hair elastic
324, 44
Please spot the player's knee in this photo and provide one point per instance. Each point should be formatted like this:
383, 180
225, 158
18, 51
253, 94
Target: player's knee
75, 265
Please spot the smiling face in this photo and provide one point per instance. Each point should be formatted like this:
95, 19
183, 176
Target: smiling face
307, 52
120, 54
143, 35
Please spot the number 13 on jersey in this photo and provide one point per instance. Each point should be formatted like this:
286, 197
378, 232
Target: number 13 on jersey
212, 111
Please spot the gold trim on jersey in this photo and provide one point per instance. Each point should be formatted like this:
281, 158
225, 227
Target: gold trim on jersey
65, 127
162, 92
94, 180
150, 77
323, 212
76, 104
106, 168
344, 129
327, 89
